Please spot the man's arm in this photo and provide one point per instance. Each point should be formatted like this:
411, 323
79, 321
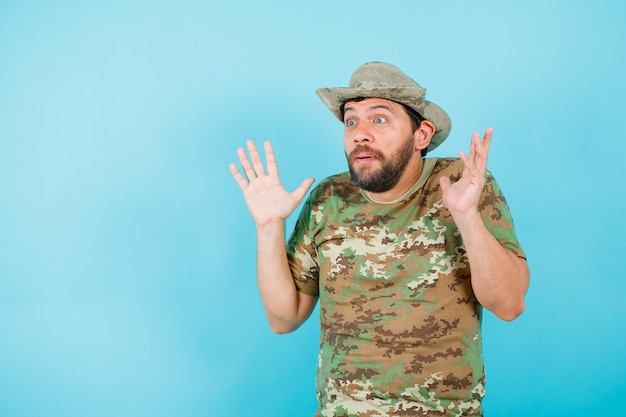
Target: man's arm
270, 205
286, 308
500, 279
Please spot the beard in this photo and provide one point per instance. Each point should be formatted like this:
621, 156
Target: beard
387, 176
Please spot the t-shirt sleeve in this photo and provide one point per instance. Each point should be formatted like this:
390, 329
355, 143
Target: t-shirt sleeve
497, 216
302, 251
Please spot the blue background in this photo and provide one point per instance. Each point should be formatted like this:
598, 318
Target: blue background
127, 281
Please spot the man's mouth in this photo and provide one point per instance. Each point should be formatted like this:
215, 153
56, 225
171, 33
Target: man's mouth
364, 155
364, 158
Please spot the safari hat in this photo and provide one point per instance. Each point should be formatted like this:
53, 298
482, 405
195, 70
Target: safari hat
382, 80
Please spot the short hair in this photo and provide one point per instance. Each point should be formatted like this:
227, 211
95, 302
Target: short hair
414, 116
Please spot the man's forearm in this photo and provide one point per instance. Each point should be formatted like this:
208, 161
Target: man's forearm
285, 307
500, 279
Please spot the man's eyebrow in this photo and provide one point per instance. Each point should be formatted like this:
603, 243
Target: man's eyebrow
374, 107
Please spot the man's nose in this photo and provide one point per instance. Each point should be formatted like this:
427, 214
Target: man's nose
363, 134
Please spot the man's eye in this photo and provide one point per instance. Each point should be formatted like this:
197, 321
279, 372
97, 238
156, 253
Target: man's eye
380, 119
350, 123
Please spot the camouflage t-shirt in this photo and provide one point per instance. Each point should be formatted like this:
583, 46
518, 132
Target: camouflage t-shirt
400, 325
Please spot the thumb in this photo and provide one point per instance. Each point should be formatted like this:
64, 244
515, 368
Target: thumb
444, 182
302, 189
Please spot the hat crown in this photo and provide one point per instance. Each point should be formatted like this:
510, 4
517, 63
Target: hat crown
382, 80
380, 75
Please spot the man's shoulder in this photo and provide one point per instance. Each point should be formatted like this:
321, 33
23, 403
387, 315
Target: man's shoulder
339, 178
335, 187
335, 183
448, 164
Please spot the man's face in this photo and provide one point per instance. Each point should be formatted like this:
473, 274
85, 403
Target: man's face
379, 142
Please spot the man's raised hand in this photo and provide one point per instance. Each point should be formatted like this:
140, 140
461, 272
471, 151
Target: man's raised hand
267, 199
462, 197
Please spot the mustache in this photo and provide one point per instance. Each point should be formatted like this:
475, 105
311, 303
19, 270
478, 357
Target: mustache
364, 148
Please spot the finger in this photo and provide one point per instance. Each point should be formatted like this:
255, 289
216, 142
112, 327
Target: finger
470, 160
272, 166
245, 164
471, 164
239, 179
464, 158
487, 140
256, 159
482, 150
487, 136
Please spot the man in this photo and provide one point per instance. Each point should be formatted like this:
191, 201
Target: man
402, 252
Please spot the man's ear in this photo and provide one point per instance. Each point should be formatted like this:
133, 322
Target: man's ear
423, 134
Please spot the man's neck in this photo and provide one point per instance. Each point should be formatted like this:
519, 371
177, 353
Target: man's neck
407, 180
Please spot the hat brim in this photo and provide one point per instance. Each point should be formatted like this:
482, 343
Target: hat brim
334, 98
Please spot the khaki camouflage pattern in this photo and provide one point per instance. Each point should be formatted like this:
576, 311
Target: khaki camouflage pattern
400, 325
